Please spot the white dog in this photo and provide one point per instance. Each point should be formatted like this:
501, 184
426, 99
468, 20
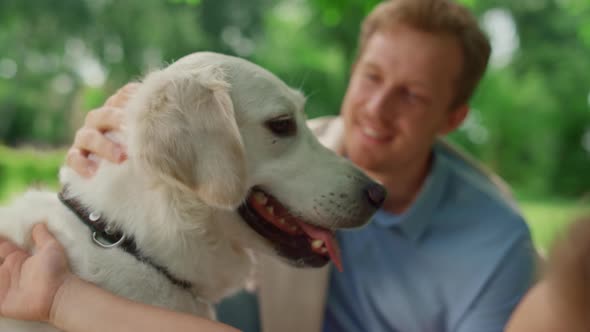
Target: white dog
221, 165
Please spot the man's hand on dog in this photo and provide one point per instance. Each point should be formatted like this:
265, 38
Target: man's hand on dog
30, 283
90, 139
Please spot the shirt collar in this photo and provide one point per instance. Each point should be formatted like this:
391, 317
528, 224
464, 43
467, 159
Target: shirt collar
417, 218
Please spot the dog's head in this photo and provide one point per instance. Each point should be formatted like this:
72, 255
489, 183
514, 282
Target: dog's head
233, 136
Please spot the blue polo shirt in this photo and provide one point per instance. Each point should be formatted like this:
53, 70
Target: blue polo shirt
458, 260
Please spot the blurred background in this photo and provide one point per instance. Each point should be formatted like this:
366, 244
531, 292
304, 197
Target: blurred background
530, 120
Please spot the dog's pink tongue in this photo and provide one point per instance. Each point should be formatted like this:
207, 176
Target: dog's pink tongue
318, 233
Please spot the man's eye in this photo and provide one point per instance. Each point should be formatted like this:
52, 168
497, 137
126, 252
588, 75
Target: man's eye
282, 126
411, 96
372, 77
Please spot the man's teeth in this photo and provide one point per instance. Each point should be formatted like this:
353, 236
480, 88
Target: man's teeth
372, 132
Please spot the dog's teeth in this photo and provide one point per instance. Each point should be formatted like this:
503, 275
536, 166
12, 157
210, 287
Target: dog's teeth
293, 228
260, 198
317, 244
281, 221
270, 210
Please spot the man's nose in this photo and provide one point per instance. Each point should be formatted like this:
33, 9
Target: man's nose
378, 105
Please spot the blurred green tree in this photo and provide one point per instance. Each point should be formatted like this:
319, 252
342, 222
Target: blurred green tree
530, 119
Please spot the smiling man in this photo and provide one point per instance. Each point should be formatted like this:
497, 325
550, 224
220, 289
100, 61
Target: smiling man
449, 251
401, 97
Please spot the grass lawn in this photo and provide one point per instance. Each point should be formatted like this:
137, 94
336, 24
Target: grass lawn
547, 218
23, 168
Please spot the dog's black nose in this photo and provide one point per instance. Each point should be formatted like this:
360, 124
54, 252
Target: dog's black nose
376, 194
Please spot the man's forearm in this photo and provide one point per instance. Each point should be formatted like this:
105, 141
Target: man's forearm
82, 307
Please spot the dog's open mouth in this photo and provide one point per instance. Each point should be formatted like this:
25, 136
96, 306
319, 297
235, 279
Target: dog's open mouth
302, 243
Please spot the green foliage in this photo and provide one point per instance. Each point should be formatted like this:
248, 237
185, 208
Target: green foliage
547, 218
188, 2
26, 168
530, 120
467, 3
536, 111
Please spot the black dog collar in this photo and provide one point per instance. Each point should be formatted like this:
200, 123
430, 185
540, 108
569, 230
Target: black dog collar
107, 238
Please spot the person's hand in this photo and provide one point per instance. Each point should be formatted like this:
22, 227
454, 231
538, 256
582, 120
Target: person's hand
29, 283
90, 139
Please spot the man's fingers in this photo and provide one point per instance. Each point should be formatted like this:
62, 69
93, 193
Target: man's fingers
14, 260
14, 263
121, 97
41, 235
104, 119
80, 163
4, 284
7, 247
11, 259
92, 141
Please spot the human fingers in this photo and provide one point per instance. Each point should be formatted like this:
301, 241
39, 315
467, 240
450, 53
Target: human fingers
7, 247
106, 118
80, 163
13, 262
89, 140
120, 98
42, 236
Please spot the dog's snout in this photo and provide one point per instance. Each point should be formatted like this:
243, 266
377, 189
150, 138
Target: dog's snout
376, 194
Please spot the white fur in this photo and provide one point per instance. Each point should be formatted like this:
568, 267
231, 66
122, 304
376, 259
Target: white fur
197, 143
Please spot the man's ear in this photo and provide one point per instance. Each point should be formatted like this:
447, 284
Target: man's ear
454, 119
186, 133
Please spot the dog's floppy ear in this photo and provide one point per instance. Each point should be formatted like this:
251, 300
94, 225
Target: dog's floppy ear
187, 133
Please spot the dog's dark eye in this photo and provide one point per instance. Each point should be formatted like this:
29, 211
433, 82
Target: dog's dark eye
282, 126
